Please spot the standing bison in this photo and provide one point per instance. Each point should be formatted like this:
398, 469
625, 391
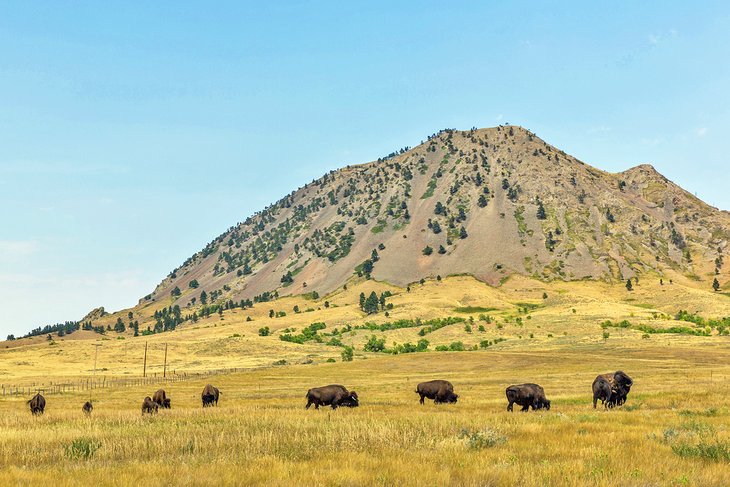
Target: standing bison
161, 399
611, 388
149, 406
210, 396
37, 404
332, 395
527, 395
87, 408
441, 391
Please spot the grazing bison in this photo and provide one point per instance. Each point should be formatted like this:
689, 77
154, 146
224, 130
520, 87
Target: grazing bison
441, 391
37, 404
161, 399
612, 388
527, 395
333, 395
210, 395
149, 406
87, 408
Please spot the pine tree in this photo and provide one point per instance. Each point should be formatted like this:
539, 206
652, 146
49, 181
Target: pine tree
541, 215
442, 250
462, 233
716, 285
427, 250
203, 298
362, 301
629, 287
482, 202
371, 303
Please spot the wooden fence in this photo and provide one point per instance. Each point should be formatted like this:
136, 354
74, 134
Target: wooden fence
103, 382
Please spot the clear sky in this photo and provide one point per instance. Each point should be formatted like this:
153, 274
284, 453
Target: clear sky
132, 133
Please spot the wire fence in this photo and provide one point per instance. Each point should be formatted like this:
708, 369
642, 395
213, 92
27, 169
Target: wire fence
104, 382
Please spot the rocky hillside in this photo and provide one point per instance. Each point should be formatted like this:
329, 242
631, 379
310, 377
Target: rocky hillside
488, 203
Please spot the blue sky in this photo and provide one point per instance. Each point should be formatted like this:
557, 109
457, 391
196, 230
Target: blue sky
132, 134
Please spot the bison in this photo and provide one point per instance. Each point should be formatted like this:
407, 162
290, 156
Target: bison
332, 395
37, 404
527, 395
87, 408
612, 388
149, 406
161, 399
441, 391
210, 395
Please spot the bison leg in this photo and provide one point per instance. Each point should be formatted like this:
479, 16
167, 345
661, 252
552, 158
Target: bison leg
422, 396
510, 406
309, 403
525, 408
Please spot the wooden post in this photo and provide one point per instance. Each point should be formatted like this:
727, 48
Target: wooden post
164, 367
144, 369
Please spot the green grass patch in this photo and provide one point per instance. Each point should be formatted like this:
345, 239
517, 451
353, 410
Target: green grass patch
473, 309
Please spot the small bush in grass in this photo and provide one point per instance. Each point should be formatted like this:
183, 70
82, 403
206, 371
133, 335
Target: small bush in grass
264, 332
485, 438
347, 354
82, 448
331, 360
717, 452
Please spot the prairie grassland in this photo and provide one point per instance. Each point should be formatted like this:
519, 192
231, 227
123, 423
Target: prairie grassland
672, 431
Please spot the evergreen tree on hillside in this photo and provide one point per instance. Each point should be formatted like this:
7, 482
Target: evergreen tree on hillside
371, 303
541, 215
203, 298
629, 287
716, 285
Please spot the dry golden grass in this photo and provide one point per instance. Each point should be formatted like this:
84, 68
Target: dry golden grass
672, 431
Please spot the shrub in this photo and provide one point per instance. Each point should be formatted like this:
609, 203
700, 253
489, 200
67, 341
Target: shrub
82, 448
486, 438
264, 332
374, 344
347, 354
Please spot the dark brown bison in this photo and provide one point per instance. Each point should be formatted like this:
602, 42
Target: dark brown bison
161, 399
441, 391
601, 390
611, 388
332, 395
37, 404
210, 395
87, 408
527, 395
149, 406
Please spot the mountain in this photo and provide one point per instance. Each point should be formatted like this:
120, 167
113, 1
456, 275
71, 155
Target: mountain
489, 203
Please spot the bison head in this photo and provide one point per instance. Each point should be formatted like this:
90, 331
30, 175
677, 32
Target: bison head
545, 404
350, 401
166, 403
447, 398
623, 379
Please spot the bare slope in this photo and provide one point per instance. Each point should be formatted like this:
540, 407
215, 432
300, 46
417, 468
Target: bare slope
496, 202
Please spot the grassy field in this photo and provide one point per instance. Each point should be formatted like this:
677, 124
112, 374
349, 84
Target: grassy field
672, 431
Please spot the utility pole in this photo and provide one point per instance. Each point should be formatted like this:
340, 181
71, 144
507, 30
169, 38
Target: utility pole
144, 369
164, 367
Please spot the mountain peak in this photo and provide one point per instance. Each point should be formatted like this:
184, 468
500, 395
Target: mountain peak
486, 202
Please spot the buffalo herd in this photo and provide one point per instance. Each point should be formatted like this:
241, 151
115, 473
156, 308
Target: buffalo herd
611, 388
